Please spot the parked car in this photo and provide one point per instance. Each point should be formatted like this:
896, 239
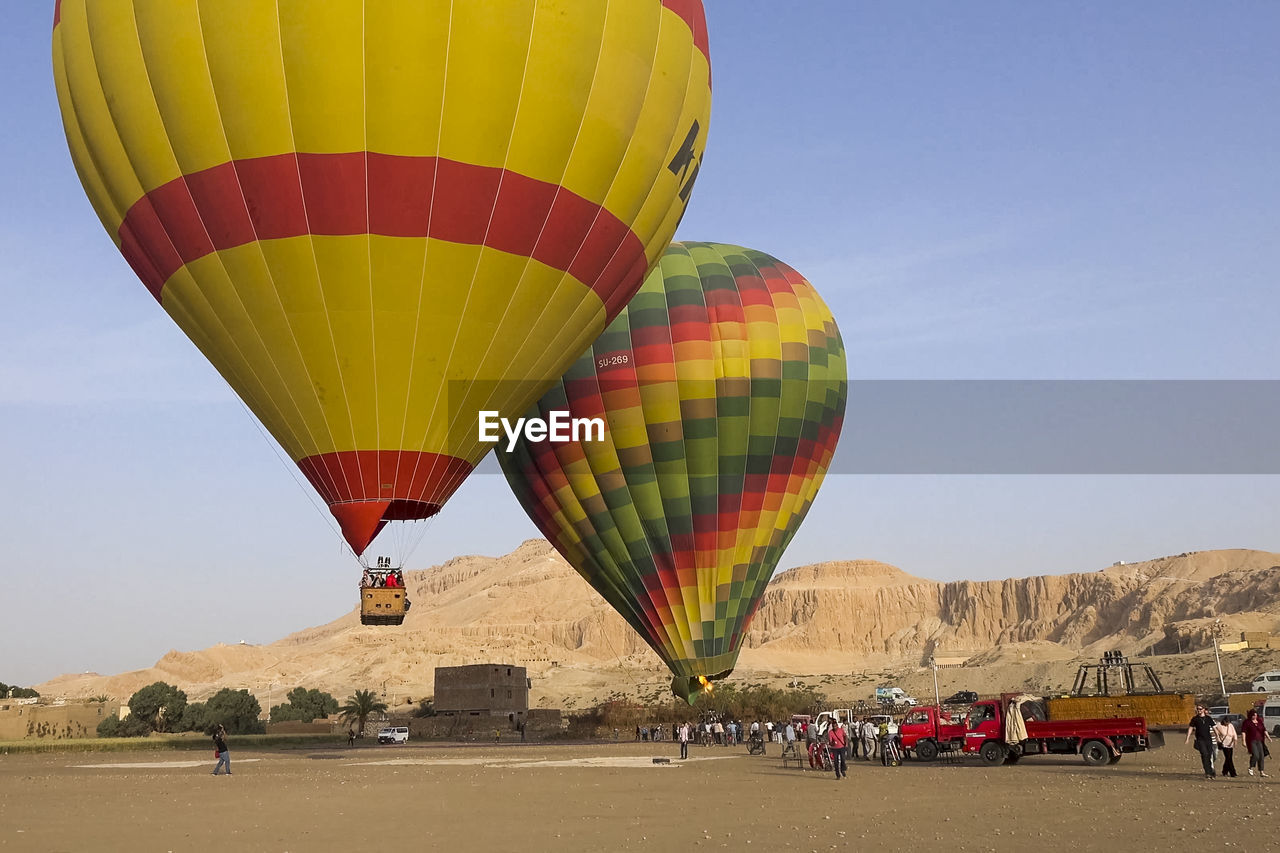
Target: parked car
1234, 719
394, 734
961, 697
1268, 682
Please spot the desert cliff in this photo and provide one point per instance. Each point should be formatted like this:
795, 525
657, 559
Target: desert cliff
529, 608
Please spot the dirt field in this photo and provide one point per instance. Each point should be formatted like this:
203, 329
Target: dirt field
612, 797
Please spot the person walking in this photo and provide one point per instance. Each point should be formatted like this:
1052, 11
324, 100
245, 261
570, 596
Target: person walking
220, 750
838, 745
1201, 728
1255, 740
1225, 733
684, 740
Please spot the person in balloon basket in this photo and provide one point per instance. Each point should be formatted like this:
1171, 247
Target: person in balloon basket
220, 750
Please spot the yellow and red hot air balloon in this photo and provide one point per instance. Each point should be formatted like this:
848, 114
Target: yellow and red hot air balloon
723, 388
358, 208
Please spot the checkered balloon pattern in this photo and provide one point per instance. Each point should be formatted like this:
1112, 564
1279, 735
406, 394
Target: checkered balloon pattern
722, 388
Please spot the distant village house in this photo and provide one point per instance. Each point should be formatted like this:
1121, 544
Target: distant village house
487, 689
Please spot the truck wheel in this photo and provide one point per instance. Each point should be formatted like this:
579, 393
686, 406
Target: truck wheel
926, 750
1095, 753
992, 752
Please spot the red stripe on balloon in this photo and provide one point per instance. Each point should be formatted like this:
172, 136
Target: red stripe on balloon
57, 13
291, 195
386, 475
692, 13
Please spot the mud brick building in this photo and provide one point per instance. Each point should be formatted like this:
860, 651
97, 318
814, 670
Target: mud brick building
487, 689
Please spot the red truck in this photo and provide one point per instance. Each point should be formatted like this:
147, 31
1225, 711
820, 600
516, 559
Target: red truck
929, 729
1096, 741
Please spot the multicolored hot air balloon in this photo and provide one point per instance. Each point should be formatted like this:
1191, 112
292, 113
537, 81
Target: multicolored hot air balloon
373, 215
722, 387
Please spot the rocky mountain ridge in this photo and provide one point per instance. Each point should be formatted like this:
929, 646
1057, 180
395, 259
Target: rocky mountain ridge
529, 608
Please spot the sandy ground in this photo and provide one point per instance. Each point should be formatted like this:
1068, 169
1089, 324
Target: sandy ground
612, 797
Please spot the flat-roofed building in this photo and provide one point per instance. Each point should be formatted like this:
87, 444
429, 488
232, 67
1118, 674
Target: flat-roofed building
483, 689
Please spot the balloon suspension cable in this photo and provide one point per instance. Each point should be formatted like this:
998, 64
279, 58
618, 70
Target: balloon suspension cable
290, 466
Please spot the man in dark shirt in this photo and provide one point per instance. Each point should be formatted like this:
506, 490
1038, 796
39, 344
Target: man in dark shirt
1201, 728
220, 747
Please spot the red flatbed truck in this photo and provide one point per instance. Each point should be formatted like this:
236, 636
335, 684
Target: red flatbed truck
1096, 741
928, 730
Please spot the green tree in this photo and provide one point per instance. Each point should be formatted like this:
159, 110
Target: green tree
426, 708
101, 699
237, 710
360, 705
23, 693
110, 727
304, 705
196, 718
130, 726
160, 706
4, 690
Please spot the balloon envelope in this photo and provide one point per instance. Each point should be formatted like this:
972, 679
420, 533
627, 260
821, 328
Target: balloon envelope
376, 217
722, 386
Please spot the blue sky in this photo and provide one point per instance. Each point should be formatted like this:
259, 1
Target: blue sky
980, 191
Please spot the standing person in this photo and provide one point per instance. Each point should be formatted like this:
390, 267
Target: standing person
1255, 740
351, 737
220, 750
1201, 728
838, 744
868, 739
1225, 733
888, 747
684, 740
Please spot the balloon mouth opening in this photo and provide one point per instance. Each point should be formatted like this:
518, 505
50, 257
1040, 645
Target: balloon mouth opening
689, 688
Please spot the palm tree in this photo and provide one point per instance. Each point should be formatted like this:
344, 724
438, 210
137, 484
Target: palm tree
360, 705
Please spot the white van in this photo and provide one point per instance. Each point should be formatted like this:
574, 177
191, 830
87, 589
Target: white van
1268, 682
394, 734
1271, 716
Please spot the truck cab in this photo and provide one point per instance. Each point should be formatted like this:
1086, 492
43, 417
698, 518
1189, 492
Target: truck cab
928, 730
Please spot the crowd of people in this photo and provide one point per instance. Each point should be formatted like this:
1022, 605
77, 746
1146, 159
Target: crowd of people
1211, 737
708, 733
827, 745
